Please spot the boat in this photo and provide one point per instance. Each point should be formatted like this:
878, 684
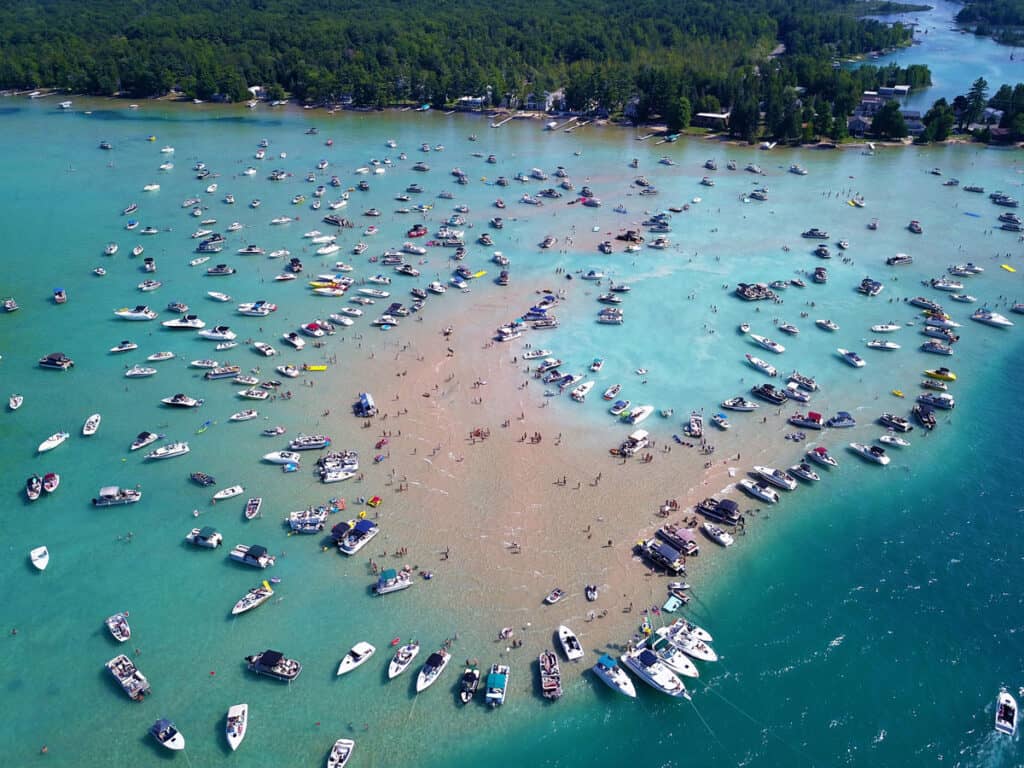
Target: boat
206, 537
124, 346
739, 404
432, 669
769, 393
761, 365
497, 685
181, 400
40, 558
403, 659
611, 674
827, 325
227, 493
358, 655
883, 344
236, 724
185, 322
274, 664
169, 451
33, 487
554, 596
167, 735
468, 684
570, 643
1006, 714
56, 360
648, 667
821, 455
341, 752
891, 439
253, 555
895, 423
716, 534
91, 425
804, 472
52, 441
355, 535
759, 491
872, 453
391, 580
988, 317
851, 357
118, 627
942, 374
776, 477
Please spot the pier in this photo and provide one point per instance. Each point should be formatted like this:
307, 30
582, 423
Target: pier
502, 122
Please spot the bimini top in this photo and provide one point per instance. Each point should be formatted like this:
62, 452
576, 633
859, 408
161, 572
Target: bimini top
364, 526
670, 553
647, 658
435, 660
388, 575
728, 505
256, 551
606, 661
496, 680
207, 531
270, 658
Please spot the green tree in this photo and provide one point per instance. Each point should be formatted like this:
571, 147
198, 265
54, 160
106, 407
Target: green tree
976, 99
939, 121
679, 114
888, 123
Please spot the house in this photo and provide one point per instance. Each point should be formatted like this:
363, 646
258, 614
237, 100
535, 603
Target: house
547, 102
858, 125
718, 121
471, 102
992, 116
870, 103
912, 118
894, 91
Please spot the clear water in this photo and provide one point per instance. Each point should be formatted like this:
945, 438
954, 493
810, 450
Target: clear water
870, 621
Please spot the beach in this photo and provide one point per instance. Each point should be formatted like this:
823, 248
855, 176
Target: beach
469, 493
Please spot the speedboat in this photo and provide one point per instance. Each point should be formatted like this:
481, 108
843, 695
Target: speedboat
668, 653
403, 659
776, 477
359, 654
761, 365
52, 441
570, 643
274, 664
895, 423
890, 439
1006, 714
140, 312
118, 627
218, 333
885, 328
468, 684
716, 534
497, 685
282, 457
821, 455
254, 598
851, 357
33, 487
169, 451
619, 407
827, 325
245, 415
646, 665
181, 400
237, 722
804, 472
432, 669
771, 346
988, 317
252, 507
91, 425
186, 322
227, 493
340, 753
739, 404
759, 491
14, 402
144, 439
40, 558
611, 674
124, 346
872, 453
942, 374
167, 735
883, 344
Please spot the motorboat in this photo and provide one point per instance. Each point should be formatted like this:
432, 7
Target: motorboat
739, 404
717, 534
883, 344
236, 724
804, 471
252, 507
885, 328
167, 735
821, 455
872, 453
769, 393
496, 686
252, 555
611, 674
842, 420
776, 477
181, 400
139, 312
282, 457
942, 374
988, 317
403, 659
91, 425
891, 439
57, 361
228, 493
468, 684
217, 333
118, 627
124, 346
827, 325
341, 752
570, 643
356, 535
851, 357
648, 667
131, 680
766, 343
245, 415
144, 439
942, 400
169, 451
895, 423
392, 580
185, 322
274, 664
358, 655
761, 365
1006, 714
759, 491
432, 669
206, 537
40, 558
52, 441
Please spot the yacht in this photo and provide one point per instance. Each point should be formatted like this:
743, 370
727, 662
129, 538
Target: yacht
124, 346
883, 344
851, 357
646, 665
761, 365
885, 328
739, 404
274, 664
206, 537
140, 312
804, 472
766, 343
253, 555
611, 674
821, 455
185, 322
403, 659
169, 451
432, 669
358, 655
497, 685
340, 753
895, 423
53, 441
236, 724
870, 452
181, 400
132, 681
827, 325
759, 491
218, 333
988, 317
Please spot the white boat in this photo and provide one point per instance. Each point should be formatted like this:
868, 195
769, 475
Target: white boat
169, 451
167, 735
432, 669
883, 344
759, 491
645, 664
740, 404
570, 643
189, 322
124, 346
870, 452
611, 674
252, 507
1006, 714
776, 477
821, 455
53, 441
139, 372
580, 393
403, 659
237, 722
988, 317
894, 440
254, 555
91, 425
219, 333
885, 328
227, 493
245, 415
118, 627
341, 752
263, 348
157, 357
14, 402
254, 598
761, 365
496, 687
40, 558
218, 296
682, 636
181, 401
640, 413
140, 312
851, 357
283, 457
206, 537
766, 343
670, 656
717, 534
359, 654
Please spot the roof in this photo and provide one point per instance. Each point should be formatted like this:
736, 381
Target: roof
435, 660
647, 658
256, 551
670, 553
365, 526
110, 490
495, 680
389, 574
270, 658
728, 504
606, 660
207, 531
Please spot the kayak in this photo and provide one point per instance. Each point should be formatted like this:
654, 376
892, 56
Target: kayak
1007, 267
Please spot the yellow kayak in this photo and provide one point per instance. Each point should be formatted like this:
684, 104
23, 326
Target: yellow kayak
308, 367
1007, 267
323, 284
898, 392
481, 273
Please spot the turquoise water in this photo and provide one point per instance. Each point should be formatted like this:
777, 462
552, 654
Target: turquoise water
870, 621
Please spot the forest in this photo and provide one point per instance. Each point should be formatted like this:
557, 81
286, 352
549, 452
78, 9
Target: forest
672, 59
1003, 19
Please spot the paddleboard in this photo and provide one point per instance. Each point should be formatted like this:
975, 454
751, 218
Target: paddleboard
898, 393
1007, 267
481, 273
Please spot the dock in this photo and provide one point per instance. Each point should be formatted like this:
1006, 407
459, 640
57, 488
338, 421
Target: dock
502, 122
577, 125
645, 137
566, 124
